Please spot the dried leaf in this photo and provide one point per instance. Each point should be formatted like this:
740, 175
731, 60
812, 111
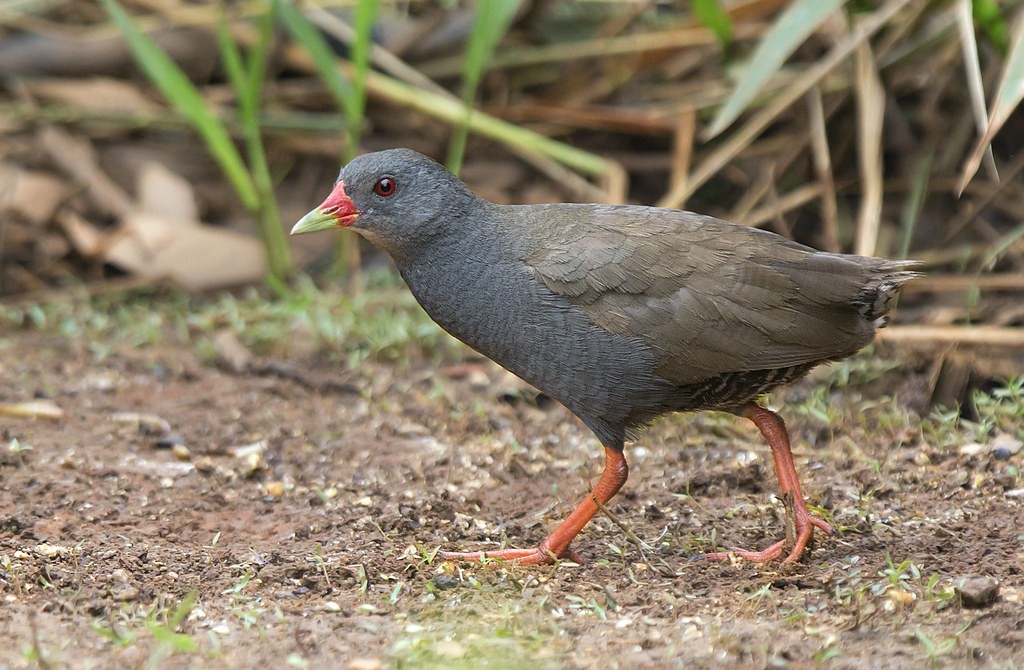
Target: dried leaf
196, 256
230, 351
165, 194
148, 423
32, 194
975, 85
1008, 97
93, 94
33, 409
84, 237
870, 121
76, 157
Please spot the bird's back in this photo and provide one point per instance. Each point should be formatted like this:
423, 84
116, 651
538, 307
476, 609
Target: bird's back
624, 313
711, 297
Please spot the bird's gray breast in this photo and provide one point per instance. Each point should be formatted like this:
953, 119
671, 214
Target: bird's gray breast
499, 308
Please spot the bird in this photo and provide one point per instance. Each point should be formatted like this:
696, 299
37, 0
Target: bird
622, 313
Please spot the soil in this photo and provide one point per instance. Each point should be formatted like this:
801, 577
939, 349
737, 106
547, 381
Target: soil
285, 516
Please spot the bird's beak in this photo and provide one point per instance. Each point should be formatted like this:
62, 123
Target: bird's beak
337, 211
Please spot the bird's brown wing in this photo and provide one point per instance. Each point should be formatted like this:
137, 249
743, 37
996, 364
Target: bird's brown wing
710, 297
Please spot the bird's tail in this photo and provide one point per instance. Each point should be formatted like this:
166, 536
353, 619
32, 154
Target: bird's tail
882, 290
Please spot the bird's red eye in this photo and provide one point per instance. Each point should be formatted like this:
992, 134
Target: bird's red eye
385, 187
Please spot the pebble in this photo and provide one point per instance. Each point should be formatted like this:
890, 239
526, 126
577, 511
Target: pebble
205, 464
1006, 446
181, 452
170, 440
977, 592
275, 489
365, 664
445, 581
127, 594
972, 449
450, 649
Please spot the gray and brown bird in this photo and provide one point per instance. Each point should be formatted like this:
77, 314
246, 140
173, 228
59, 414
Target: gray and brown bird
621, 313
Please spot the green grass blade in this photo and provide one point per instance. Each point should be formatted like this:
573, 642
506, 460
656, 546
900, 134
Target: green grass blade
186, 99
989, 18
275, 241
256, 67
366, 14
793, 26
1011, 85
230, 55
712, 15
492, 19
306, 34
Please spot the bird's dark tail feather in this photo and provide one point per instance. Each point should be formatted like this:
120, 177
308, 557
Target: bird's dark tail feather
880, 294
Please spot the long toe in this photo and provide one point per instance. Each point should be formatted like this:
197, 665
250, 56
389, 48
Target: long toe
769, 554
535, 556
805, 525
803, 537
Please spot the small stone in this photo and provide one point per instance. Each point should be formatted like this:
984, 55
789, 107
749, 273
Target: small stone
331, 606
972, 449
170, 440
365, 664
1006, 446
901, 598
445, 581
51, 550
977, 592
205, 464
148, 424
121, 575
274, 489
127, 594
181, 452
230, 352
450, 649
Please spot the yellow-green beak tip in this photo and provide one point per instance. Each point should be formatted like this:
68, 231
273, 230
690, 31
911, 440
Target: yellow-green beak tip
315, 221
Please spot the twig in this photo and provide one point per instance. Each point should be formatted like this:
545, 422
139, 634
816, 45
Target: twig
634, 540
970, 335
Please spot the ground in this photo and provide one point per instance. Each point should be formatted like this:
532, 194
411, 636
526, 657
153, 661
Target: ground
285, 513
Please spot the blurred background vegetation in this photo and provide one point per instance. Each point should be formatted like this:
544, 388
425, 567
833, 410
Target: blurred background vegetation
161, 143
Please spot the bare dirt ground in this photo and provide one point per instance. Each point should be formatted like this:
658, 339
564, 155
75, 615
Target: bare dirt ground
290, 527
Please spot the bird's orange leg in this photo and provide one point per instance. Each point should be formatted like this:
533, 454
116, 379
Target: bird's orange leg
556, 545
798, 516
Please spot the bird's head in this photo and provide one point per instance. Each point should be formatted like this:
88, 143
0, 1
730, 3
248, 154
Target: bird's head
397, 199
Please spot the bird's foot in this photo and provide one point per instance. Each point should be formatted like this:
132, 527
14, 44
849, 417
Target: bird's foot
536, 556
804, 525
555, 547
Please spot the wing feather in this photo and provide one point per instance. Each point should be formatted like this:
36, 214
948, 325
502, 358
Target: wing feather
709, 297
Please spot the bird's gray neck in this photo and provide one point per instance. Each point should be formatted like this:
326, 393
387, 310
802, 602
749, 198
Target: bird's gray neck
461, 273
